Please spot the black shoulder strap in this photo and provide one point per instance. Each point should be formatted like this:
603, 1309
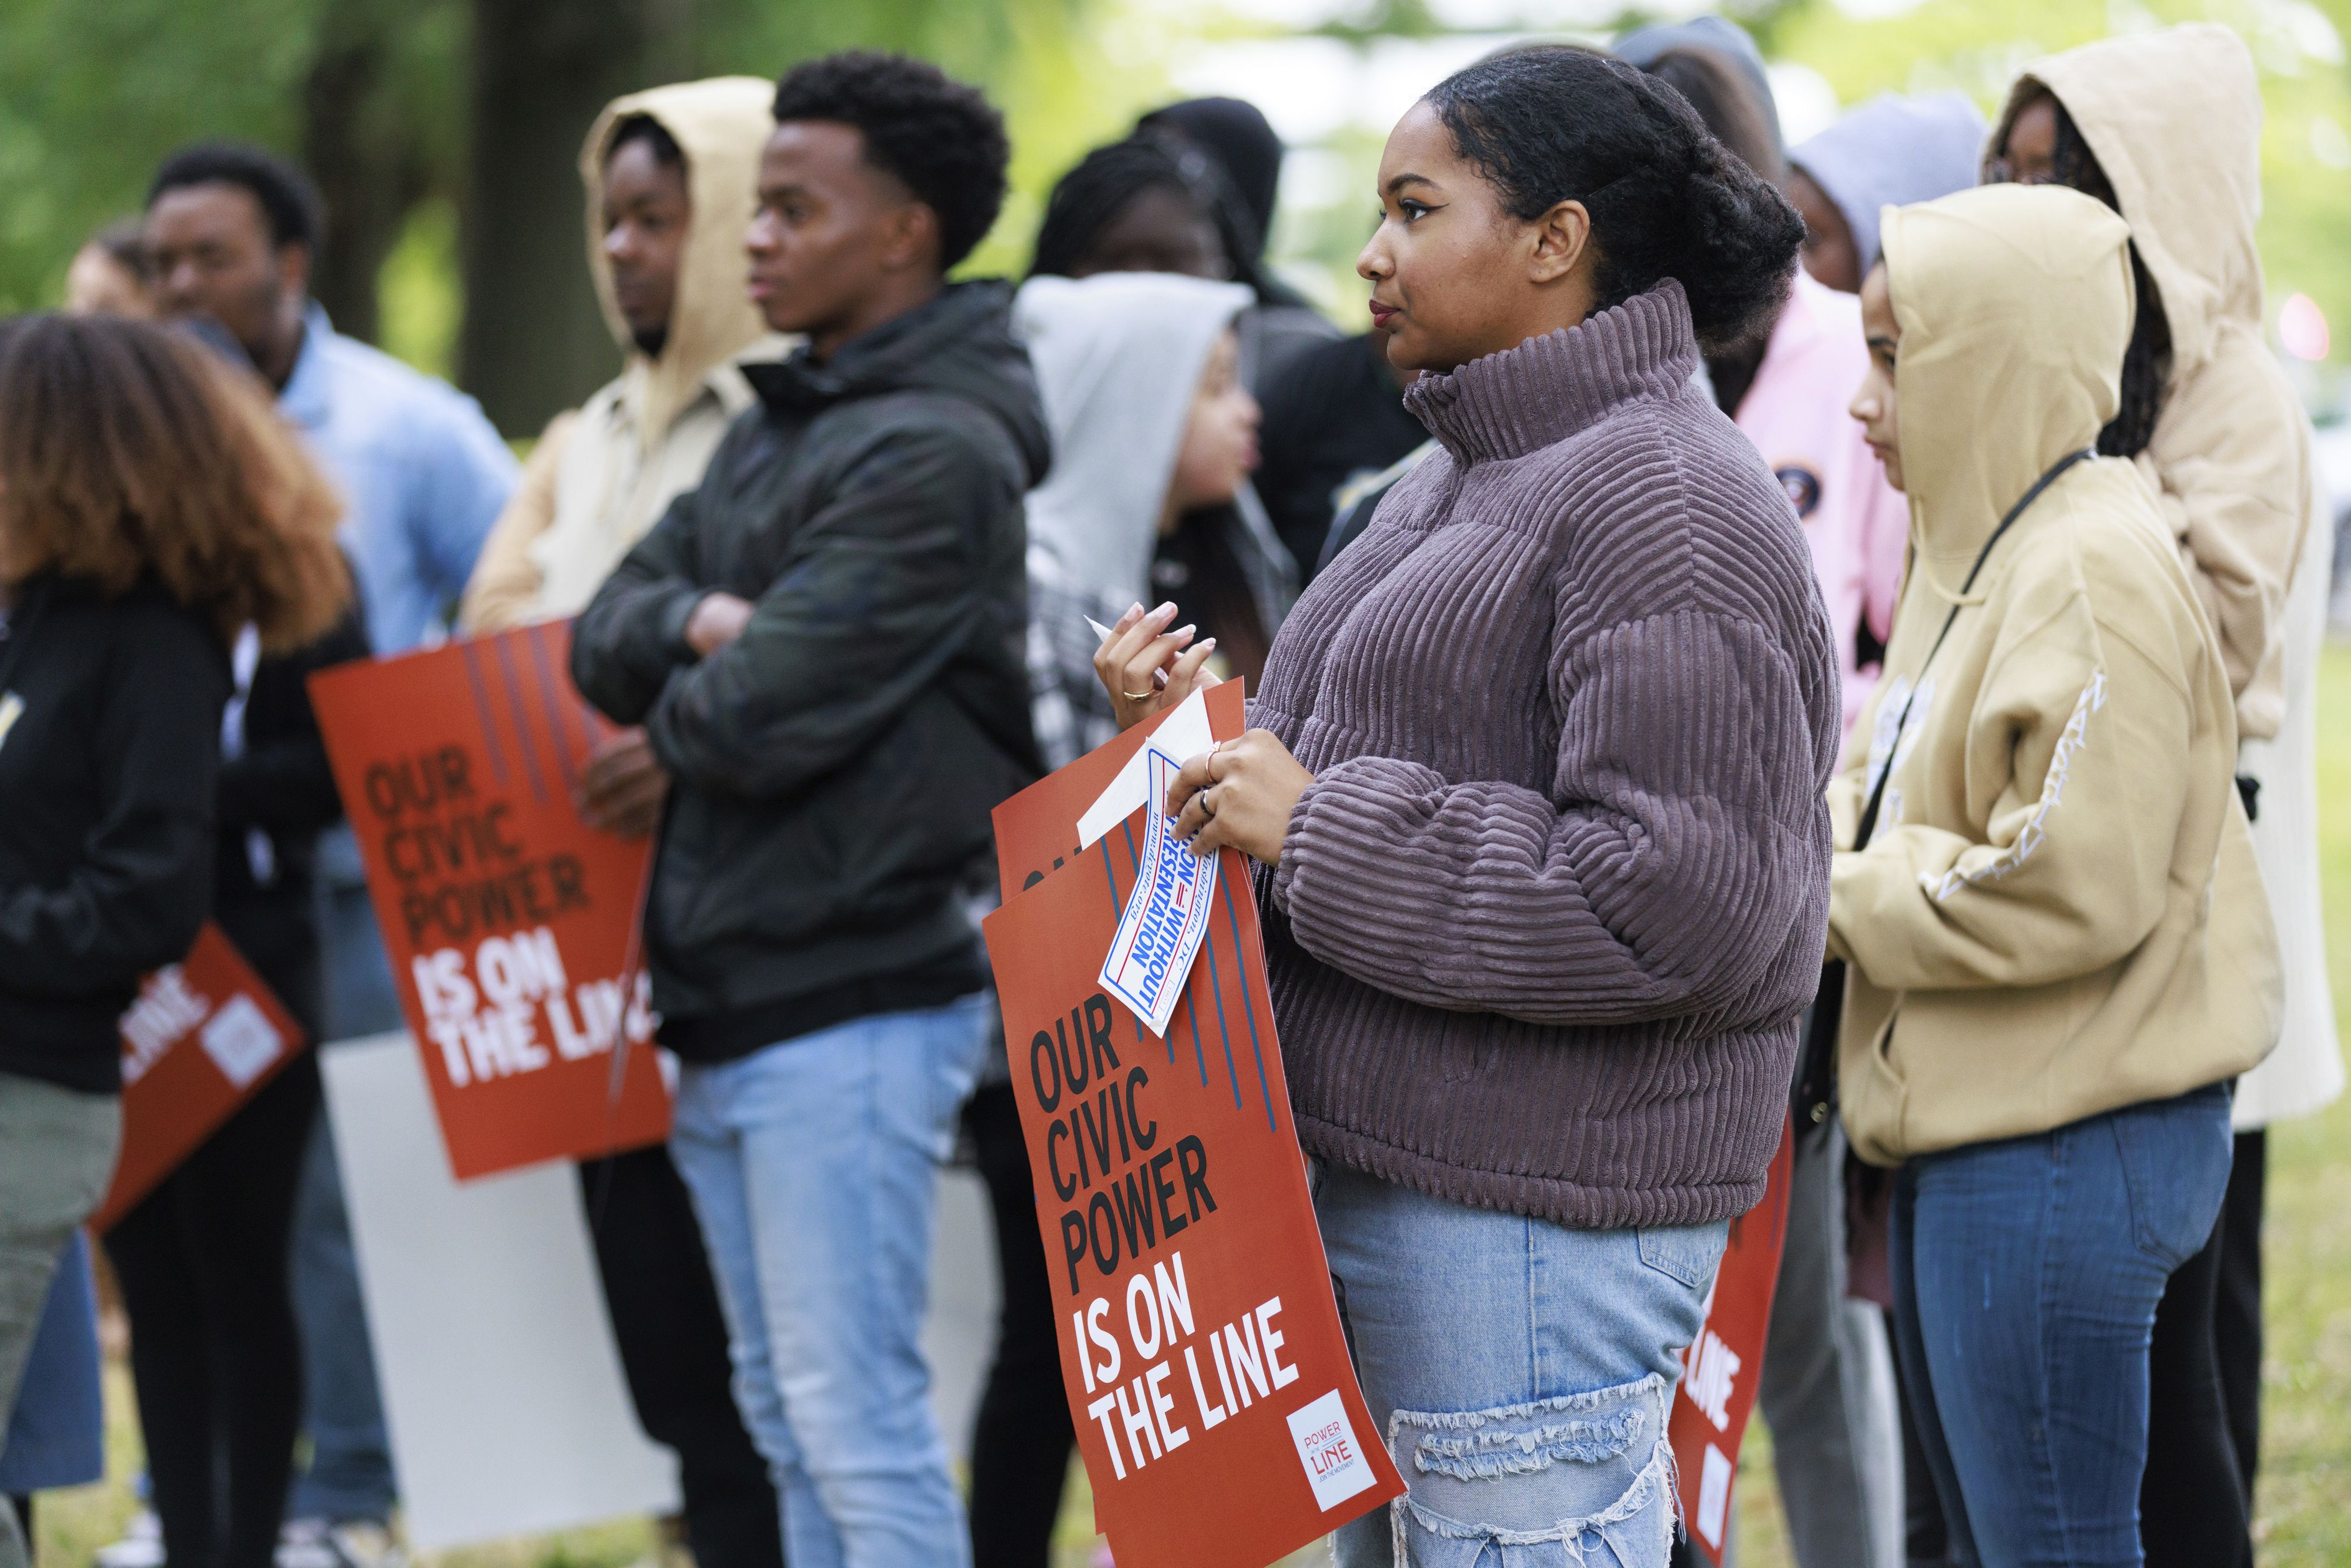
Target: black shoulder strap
1877, 791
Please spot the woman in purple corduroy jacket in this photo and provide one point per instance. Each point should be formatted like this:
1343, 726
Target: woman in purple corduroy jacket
1536, 788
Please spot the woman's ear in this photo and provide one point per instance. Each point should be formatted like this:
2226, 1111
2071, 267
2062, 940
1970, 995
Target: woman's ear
1560, 238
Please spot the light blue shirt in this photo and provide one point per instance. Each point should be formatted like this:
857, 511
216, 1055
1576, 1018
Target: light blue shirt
422, 469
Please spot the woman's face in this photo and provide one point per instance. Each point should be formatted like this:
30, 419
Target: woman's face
1219, 438
2030, 158
1454, 275
1873, 404
1829, 253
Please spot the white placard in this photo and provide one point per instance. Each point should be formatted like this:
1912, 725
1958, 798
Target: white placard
501, 1384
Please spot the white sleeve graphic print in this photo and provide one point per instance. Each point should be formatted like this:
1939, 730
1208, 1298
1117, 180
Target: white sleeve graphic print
2053, 795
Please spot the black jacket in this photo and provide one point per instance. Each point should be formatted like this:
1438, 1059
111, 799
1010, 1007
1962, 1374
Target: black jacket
108, 760
277, 793
834, 768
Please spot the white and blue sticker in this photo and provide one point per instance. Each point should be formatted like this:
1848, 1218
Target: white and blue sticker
1166, 917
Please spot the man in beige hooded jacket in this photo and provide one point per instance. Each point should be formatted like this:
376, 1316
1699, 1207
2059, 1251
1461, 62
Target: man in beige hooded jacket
669, 176
602, 474
2057, 940
2171, 122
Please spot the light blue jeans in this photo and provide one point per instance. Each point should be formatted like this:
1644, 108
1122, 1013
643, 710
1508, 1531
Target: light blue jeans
1521, 1372
814, 1167
349, 1476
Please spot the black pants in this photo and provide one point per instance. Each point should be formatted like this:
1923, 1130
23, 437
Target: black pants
214, 1351
1022, 1440
673, 1342
2237, 1313
2192, 1500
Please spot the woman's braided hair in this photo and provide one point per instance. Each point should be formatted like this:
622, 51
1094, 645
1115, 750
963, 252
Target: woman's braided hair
1558, 123
2147, 363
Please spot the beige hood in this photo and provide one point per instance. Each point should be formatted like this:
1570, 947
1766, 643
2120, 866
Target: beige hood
720, 124
2174, 118
2058, 912
2013, 330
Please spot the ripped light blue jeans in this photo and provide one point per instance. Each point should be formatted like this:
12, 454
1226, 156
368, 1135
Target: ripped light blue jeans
1521, 1372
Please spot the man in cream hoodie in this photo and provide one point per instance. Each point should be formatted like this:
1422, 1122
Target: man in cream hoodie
669, 174
2058, 944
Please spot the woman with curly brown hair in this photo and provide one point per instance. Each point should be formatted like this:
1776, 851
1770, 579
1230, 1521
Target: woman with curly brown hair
151, 507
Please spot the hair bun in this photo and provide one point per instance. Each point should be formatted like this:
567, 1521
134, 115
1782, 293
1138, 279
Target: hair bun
1554, 123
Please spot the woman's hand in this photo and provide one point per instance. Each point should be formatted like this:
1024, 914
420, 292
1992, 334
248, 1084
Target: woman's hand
1146, 668
1239, 793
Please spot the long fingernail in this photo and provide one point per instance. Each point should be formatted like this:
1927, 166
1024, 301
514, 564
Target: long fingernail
1185, 630
1166, 611
1208, 643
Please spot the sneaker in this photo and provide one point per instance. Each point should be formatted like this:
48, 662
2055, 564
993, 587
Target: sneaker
142, 1545
303, 1543
367, 1544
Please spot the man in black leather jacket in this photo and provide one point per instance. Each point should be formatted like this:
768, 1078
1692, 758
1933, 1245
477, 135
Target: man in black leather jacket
824, 642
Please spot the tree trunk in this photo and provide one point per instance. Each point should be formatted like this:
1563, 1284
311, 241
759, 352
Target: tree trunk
363, 149
534, 342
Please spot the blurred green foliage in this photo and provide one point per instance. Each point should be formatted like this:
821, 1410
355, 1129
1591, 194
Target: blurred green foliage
93, 93
1979, 46
1862, 48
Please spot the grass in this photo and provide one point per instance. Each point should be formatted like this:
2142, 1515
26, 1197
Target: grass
2304, 1503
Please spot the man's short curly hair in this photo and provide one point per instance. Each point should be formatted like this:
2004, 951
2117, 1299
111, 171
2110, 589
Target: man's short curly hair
940, 138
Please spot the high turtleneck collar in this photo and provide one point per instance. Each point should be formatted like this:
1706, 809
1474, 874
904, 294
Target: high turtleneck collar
1548, 387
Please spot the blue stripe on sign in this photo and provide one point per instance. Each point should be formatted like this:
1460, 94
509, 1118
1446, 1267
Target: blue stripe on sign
551, 703
1136, 862
1216, 994
1216, 986
482, 710
522, 726
1117, 908
1255, 1046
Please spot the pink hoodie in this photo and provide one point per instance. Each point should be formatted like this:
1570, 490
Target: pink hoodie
1859, 526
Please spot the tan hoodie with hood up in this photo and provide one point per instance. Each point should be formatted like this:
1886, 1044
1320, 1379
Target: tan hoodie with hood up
604, 475
2058, 913
2174, 118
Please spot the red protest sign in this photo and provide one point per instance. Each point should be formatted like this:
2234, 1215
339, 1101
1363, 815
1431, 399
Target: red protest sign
1719, 1372
204, 1037
1207, 1374
1036, 830
511, 924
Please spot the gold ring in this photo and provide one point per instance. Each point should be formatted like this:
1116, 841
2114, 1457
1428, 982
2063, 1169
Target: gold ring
1138, 696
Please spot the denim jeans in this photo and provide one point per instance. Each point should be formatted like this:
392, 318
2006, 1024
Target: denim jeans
2026, 1274
814, 1166
349, 1476
1521, 1372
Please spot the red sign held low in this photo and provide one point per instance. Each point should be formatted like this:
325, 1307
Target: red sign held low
511, 924
1719, 1373
1207, 1372
202, 1039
